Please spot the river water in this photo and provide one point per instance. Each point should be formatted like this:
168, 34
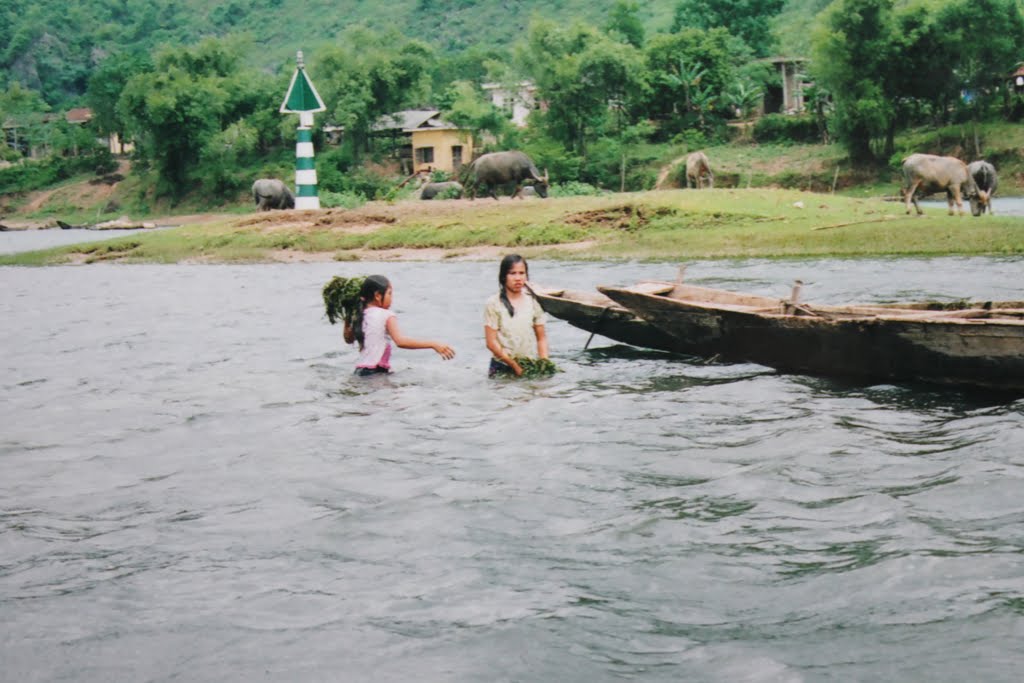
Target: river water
16, 241
195, 488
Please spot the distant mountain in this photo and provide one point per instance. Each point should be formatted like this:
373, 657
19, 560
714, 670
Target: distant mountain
52, 45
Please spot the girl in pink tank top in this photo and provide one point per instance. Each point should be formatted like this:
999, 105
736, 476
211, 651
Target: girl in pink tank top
375, 326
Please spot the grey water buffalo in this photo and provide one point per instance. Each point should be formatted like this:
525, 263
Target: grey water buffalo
697, 169
985, 178
499, 169
924, 174
449, 189
271, 193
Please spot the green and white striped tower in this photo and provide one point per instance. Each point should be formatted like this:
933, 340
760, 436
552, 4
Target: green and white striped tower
303, 99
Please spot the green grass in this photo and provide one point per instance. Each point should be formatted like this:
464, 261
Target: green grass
668, 225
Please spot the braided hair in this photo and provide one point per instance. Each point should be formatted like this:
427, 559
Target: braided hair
506, 265
372, 285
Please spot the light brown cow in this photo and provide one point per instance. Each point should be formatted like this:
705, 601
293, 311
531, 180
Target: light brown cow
924, 174
697, 167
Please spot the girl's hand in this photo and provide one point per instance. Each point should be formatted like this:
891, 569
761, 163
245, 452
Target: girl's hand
516, 367
444, 350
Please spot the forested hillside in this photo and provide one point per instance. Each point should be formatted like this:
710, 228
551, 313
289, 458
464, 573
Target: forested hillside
196, 84
52, 45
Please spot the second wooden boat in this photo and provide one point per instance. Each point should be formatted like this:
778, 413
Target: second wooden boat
979, 344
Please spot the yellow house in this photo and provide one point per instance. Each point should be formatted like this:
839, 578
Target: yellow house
423, 142
440, 146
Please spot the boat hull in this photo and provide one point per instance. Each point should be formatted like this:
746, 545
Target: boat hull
597, 314
893, 345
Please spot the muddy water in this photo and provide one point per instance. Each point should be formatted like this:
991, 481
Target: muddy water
194, 487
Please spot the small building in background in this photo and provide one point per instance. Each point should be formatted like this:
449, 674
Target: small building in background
516, 100
787, 98
425, 142
1017, 80
16, 129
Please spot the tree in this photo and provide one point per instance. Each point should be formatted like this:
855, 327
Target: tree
588, 81
469, 110
749, 20
370, 76
689, 71
624, 23
180, 107
986, 35
106, 84
855, 59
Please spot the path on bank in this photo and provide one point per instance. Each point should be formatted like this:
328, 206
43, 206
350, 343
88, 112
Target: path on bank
659, 184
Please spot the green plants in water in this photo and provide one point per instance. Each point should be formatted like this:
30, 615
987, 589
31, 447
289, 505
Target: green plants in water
536, 367
341, 298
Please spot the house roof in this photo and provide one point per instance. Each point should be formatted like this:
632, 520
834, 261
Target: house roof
412, 120
78, 115
432, 124
404, 120
785, 60
521, 85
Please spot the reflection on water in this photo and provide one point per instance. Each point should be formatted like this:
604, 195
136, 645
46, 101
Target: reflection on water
195, 487
1002, 206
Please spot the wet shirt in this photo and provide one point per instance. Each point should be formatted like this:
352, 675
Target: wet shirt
376, 351
515, 333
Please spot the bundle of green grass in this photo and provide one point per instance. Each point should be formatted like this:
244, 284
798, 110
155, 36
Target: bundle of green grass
341, 298
536, 367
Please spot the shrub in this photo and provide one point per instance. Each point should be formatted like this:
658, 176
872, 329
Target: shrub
781, 128
573, 188
345, 200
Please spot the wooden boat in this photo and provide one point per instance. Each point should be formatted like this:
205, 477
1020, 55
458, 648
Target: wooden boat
979, 344
595, 313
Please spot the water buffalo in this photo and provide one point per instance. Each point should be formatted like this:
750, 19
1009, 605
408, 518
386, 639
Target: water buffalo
927, 173
449, 189
984, 175
271, 193
498, 169
697, 167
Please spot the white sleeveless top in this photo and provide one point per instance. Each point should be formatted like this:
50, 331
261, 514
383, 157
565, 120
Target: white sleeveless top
376, 342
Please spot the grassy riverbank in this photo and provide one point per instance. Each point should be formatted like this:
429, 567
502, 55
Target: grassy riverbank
669, 225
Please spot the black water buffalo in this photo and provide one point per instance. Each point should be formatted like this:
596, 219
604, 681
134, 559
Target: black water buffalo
985, 178
449, 189
924, 174
271, 193
697, 169
499, 169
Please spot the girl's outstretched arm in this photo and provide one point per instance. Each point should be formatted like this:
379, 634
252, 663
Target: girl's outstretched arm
404, 342
494, 346
542, 340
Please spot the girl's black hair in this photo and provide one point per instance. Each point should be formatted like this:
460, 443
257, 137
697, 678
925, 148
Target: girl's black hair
506, 265
372, 285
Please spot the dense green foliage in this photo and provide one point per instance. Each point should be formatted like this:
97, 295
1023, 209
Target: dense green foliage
889, 64
196, 85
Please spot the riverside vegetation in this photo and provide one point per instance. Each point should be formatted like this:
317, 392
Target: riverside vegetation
655, 225
628, 91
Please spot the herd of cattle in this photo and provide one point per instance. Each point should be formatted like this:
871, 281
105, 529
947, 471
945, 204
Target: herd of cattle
923, 174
